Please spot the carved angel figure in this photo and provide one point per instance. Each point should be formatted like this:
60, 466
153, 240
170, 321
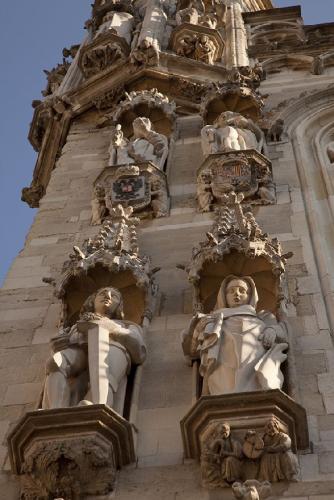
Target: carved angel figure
231, 132
240, 349
278, 463
84, 369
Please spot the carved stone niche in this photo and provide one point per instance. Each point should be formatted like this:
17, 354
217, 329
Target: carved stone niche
247, 414
231, 97
247, 172
197, 42
142, 187
106, 50
149, 103
70, 452
237, 245
111, 258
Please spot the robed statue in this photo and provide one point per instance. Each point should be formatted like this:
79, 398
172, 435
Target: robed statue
240, 349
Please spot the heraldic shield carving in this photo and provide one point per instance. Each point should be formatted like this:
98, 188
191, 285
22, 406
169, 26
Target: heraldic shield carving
142, 186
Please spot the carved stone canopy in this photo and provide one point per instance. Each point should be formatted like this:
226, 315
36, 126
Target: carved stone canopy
231, 97
248, 172
142, 186
237, 245
104, 52
109, 259
149, 103
243, 411
187, 30
70, 452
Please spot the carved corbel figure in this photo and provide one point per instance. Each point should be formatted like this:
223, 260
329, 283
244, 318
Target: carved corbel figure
278, 462
146, 53
55, 77
221, 459
93, 358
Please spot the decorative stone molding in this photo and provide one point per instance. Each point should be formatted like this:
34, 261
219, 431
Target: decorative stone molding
105, 51
187, 89
142, 187
197, 42
247, 172
243, 411
235, 233
231, 97
70, 452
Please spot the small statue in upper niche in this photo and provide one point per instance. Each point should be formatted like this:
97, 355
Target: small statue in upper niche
231, 132
240, 349
118, 154
278, 463
146, 145
83, 370
221, 459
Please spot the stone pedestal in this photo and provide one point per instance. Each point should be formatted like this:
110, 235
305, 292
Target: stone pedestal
243, 412
70, 452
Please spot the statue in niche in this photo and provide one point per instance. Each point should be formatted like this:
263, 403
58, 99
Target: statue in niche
146, 53
231, 132
118, 154
221, 459
240, 349
278, 462
71, 379
275, 132
146, 145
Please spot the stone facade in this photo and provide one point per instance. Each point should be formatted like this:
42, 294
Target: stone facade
287, 91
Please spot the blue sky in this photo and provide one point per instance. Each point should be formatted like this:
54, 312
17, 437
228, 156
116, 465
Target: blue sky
33, 35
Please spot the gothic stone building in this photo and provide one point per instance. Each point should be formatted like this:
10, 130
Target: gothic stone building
166, 332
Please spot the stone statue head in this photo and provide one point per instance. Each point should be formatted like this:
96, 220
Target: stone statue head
106, 302
237, 291
141, 126
224, 430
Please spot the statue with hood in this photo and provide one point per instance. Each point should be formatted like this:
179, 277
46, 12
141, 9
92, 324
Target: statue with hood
240, 349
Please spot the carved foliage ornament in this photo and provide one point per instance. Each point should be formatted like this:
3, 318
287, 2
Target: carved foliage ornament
102, 53
68, 469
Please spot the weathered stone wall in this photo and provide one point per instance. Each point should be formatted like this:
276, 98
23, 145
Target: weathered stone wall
29, 311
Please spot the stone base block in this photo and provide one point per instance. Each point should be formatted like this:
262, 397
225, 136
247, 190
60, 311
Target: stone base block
243, 412
70, 452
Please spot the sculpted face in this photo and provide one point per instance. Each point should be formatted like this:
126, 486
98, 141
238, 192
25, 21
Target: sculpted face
238, 293
225, 431
272, 428
106, 302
